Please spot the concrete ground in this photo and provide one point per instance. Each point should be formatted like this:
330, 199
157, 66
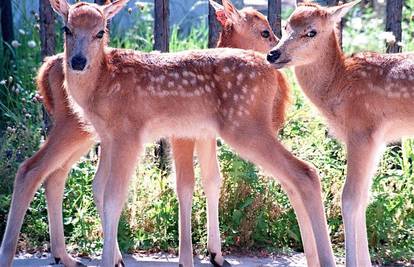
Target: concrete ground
165, 260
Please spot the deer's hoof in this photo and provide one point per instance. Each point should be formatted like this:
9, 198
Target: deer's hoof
72, 262
121, 263
215, 264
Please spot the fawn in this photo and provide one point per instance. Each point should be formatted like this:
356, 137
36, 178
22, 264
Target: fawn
366, 98
68, 141
131, 98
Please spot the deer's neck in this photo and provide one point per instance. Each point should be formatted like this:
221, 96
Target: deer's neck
81, 85
319, 79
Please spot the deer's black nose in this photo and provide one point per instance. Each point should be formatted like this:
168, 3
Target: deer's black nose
78, 62
273, 56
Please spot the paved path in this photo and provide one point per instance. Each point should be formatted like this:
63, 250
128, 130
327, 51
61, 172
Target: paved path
165, 260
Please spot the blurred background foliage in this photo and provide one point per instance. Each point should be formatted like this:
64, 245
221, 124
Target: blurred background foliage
255, 214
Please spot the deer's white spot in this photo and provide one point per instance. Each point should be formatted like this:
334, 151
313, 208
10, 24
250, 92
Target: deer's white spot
406, 95
201, 77
226, 69
185, 82
252, 74
240, 76
394, 95
229, 85
170, 84
207, 88
224, 95
115, 88
193, 81
235, 98
244, 89
175, 75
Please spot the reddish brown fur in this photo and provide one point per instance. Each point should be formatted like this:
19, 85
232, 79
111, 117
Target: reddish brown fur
367, 99
204, 100
68, 127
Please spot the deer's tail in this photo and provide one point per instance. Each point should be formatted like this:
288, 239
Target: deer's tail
45, 78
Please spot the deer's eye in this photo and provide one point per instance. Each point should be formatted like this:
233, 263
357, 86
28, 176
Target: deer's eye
67, 30
311, 34
265, 34
100, 34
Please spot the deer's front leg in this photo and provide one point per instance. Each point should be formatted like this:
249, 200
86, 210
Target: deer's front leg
363, 154
183, 150
122, 152
211, 179
98, 186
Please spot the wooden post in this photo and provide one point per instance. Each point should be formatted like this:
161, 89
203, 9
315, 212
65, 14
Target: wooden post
393, 24
161, 26
6, 21
161, 43
47, 29
48, 45
213, 26
274, 14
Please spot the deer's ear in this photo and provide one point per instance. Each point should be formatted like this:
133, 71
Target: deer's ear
338, 12
113, 8
220, 14
61, 7
231, 11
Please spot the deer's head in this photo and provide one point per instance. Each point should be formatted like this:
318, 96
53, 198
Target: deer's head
85, 31
247, 28
306, 34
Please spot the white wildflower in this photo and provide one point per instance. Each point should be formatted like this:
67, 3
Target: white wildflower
31, 44
2, 82
360, 40
22, 32
389, 37
15, 43
357, 23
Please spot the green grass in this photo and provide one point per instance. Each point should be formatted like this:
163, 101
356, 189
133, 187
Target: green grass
255, 214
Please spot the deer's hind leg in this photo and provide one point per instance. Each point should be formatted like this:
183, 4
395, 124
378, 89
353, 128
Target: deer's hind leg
299, 180
61, 144
211, 180
54, 187
183, 150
